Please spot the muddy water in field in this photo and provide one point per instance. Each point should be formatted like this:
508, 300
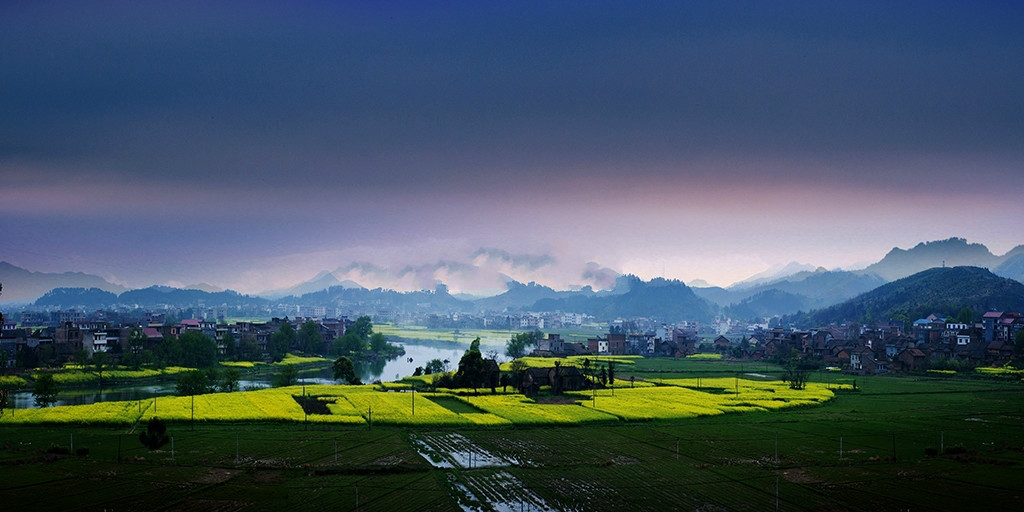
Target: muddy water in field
502, 492
450, 450
490, 488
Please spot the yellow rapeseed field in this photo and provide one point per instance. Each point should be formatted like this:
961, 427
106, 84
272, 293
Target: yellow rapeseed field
353, 405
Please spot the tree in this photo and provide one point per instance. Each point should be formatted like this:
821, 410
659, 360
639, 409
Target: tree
472, 369
197, 350
281, 341
99, 360
155, 435
44, 391
378, 343
310, 339
169, 352
611, 373
136, 343
966, 315
192, 382
5, 391
229, 380
248, 350
434, 366
230, 347
516, 347
345, 370
362, 327
80, 356
1018, 349
349, 345
796, 373
288, 376
474, 346
518, 367
556, 384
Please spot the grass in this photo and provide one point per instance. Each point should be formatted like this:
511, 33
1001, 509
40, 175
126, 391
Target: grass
720, 462
893, 432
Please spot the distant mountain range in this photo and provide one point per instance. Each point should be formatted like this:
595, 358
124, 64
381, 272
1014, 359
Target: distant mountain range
665, 299
777, 293
944, 291
773, 274
784, 290
24, 286
802, 291
321, 281
953, 252
152, 297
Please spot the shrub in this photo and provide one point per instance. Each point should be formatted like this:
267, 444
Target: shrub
155, 435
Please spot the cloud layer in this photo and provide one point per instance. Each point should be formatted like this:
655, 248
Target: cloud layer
253, 145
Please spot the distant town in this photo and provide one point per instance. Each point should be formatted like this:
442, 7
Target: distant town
901, 314
35, 339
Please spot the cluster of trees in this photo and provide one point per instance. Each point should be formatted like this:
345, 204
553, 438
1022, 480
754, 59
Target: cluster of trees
434, 366
360, 342
361, 345
518, 346
599, 374
476, 371
212, 379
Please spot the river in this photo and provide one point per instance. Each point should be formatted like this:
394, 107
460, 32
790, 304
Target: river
416, 354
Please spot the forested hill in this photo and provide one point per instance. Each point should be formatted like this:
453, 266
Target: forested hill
662, 299
154, 296
944, 291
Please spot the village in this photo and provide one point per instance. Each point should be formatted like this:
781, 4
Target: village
932, 342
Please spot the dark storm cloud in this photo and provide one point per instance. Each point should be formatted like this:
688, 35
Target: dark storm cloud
410, 96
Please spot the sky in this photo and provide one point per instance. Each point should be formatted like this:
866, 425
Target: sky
251, 145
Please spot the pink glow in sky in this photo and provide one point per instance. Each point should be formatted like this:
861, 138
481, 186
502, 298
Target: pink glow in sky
252, 146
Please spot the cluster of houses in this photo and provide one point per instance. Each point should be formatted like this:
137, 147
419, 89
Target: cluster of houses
83, 336
886, 347
863, 349
666, 341
873, 349
521, 321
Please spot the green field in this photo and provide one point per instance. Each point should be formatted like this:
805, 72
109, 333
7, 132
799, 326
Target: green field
898, 443
489, 338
